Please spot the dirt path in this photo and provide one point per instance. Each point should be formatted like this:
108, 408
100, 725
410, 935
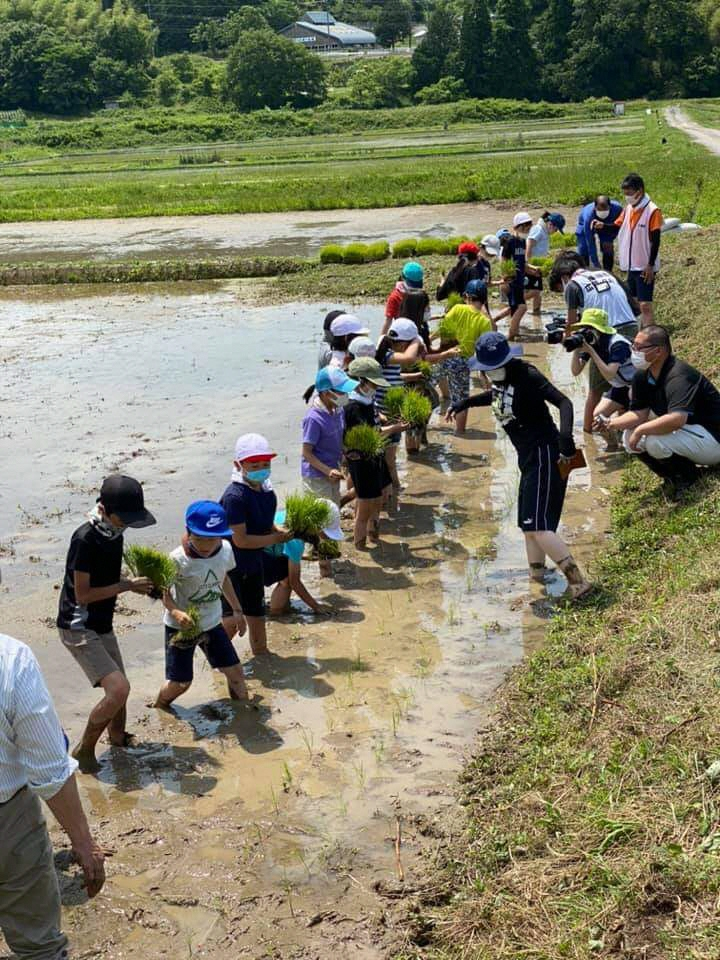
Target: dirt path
709, 137
267, 831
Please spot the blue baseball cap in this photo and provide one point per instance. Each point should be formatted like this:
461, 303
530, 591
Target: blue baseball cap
333, 378
206, 518
476, 289
492, 351
413, 273
503, 234
558, 221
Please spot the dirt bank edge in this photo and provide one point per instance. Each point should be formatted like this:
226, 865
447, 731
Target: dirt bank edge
590, 826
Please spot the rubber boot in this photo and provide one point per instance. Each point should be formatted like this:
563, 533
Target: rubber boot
578, 585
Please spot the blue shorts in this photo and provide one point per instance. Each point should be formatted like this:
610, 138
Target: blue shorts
214, 643
641, 290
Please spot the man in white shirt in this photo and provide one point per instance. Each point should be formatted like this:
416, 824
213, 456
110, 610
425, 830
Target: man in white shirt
34, 763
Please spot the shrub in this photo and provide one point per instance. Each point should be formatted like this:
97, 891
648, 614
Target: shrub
416, 409
355, 253
306, 515
365, 440
393, 402
402, 249
331, 253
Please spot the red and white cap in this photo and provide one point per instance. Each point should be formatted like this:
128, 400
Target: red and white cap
252, 446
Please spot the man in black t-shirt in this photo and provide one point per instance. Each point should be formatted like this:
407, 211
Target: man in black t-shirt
90, 589
674, 417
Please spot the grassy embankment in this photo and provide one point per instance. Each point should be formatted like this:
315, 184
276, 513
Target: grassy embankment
593, 828
544, 160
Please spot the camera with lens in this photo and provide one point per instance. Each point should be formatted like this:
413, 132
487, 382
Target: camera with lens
579, 339
555, 330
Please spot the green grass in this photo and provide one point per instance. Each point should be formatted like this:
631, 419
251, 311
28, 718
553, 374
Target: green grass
592, 827
483, 162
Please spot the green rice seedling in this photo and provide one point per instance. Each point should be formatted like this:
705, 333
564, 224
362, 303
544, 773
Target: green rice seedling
453, 300
447, 330
306, 515
287, 778
545, 264
393, 402
365, 441
416, 409
331, 253
561, 241
402, 249
425, 368
328, 550
507, 269
355, 253
380, 250
188, 635
454, 242
153, 564
432, 245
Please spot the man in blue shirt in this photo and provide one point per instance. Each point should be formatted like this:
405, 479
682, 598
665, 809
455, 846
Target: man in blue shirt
596, 222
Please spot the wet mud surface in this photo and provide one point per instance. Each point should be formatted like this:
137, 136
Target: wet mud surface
267, 830
298, 234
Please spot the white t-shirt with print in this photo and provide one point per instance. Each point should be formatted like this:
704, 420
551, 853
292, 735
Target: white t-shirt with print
199, 583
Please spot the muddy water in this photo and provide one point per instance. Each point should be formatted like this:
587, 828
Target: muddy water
266, 830
263, 234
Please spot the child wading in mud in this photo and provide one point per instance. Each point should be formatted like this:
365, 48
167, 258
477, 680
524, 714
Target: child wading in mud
203, 560
87, 605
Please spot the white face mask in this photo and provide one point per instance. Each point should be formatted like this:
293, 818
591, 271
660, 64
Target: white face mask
639, 360
497, 376
340, 400
634, 198
602, 214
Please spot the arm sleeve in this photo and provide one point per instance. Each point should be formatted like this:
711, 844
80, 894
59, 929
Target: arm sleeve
38, 735
235, 511
80, 557
228, 556
551, 394
681, 392
654, 244
294, 550
478, 400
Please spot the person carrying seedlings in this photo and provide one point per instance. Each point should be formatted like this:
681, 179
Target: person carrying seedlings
640, 226
250, 505
92, 582
596, 225
412, 277
538, 246
514, 267
519, 398
470, 266
322, 433
193, 607
474, 315
365, 451
282, 565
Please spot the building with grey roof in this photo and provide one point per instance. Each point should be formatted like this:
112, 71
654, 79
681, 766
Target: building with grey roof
320, 31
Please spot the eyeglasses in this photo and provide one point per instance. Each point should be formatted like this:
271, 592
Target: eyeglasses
642, 349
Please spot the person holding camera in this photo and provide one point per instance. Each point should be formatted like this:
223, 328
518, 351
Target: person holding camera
592, 339
519, 398
594, 289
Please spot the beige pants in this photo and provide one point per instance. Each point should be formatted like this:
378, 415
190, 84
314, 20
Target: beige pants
29, 893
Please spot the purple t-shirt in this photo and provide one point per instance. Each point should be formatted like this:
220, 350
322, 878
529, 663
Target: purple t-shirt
324, 432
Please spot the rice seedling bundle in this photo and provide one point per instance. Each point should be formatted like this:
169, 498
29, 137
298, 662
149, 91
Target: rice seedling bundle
453, 300
393, 402
416, 409
447, 330
355, 253
157, 566
364, 440
507, 269
331, 253
306, 515
328, 550
544, 263
188, 635
425, 368
402, 249
380, 250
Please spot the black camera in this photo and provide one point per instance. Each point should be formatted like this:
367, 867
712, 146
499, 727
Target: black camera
555, 330
579, 339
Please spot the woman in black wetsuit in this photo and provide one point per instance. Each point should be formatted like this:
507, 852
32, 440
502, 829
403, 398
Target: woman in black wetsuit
519, 398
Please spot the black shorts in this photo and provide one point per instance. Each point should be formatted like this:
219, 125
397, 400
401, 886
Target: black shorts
619, 395
639, 288
214, 643
542, 490
250, 590
516, 295
367, 476
533, 283
275, 569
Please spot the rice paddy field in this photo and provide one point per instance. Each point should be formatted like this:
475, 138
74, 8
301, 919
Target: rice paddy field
552, 160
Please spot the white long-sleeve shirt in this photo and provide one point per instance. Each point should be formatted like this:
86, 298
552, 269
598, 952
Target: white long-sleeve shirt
33, 751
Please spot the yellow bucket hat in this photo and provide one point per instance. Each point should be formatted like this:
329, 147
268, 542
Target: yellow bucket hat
595, 318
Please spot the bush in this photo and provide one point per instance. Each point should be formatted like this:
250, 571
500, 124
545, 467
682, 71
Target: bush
402, 249
446, 90
331, 253
355, 253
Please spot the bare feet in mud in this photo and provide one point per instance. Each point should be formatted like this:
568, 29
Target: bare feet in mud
87, 761
125, 740
237, 694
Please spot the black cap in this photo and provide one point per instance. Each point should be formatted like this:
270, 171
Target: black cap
123, 496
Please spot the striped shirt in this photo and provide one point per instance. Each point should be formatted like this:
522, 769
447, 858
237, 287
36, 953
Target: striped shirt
33, 748
393, 374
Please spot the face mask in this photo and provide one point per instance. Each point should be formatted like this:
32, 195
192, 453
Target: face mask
258, 476
497, 376
103, 526
602, 214
634, 198
364, 398
340, 400
639, 360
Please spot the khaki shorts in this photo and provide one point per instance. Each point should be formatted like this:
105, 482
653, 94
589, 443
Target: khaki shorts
323, 487
97, 654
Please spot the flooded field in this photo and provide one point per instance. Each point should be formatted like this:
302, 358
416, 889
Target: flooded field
268, 830
254, 234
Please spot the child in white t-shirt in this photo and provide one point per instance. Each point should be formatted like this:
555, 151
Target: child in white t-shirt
203, 561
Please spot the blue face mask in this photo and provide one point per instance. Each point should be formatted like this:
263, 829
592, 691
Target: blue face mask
258, 476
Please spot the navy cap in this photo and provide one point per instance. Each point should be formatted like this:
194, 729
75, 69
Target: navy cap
558, 221
476, 289
492, 350
124, 497
205, 518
